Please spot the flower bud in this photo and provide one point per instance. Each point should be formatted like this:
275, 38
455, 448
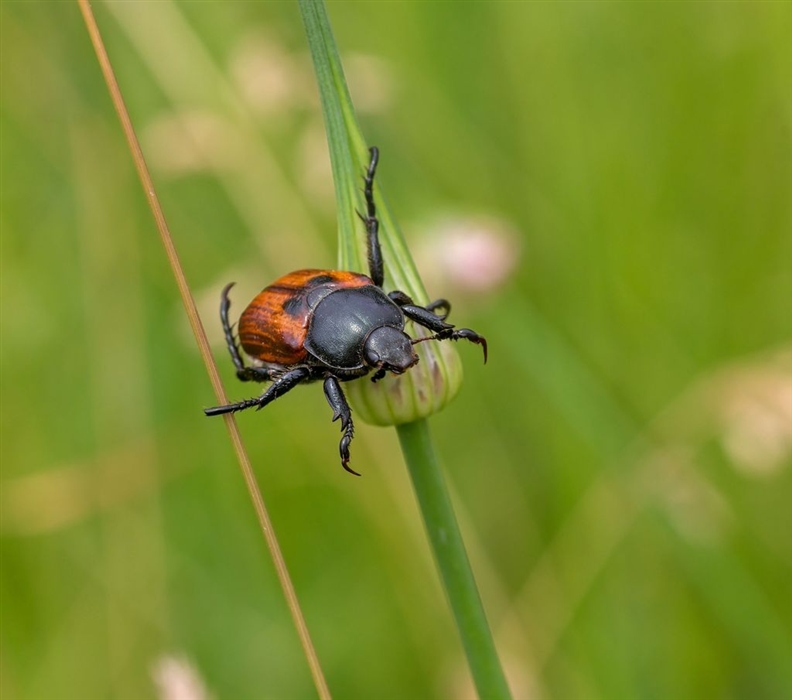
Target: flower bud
428, 386
421, 391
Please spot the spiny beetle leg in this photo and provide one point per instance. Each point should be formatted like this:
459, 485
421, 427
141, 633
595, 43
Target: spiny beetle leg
285, 382
244, 374
439, 304
402, 299
426, 318
472, 336
399, 298
233, 350
335, 397
457, 334
254, 374
376, 271
232, 407
443, 330
279, 387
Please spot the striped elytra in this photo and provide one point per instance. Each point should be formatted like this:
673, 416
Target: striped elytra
274, 326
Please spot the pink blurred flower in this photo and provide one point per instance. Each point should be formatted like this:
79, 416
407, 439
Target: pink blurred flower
475, 254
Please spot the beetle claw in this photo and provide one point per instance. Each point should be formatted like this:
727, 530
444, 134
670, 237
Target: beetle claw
343, 448
346, 466
483, 343
473, 337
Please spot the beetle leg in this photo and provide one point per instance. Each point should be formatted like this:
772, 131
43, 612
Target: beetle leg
439, 304
243, 373
402, 299
255, 374
443, 330
335, 397
285, 382
372, 223
379, 374
425, 318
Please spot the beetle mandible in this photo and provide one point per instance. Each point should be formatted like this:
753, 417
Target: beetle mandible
333, 326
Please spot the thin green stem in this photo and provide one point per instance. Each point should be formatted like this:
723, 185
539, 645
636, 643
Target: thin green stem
349, 157
347, 148
449, 551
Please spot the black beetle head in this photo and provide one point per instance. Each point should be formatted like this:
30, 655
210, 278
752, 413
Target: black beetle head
390, 349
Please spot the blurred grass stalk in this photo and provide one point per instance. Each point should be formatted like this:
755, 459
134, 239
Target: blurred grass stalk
203, 345
349, 158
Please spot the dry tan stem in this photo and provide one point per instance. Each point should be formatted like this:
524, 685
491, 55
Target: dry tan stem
206, 353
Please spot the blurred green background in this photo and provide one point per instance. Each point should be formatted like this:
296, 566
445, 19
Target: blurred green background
617, 177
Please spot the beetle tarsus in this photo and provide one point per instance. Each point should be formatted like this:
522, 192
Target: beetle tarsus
344, 450
335, 397
443, 331
439, 304
376, 271
233, 350
232, 407
243, 373
457, 334
473, 337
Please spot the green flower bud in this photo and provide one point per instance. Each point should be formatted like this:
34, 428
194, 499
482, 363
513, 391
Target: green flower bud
421, 391
434, 381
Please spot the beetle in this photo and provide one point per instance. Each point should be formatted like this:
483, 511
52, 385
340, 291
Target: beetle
333, 326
